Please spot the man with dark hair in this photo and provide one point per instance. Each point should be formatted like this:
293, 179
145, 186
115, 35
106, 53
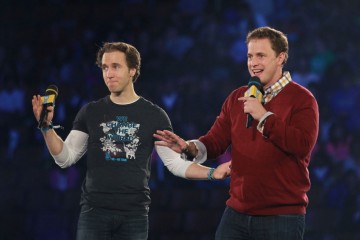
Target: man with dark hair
117, 133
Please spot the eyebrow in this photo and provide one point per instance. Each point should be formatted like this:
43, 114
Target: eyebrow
111, 64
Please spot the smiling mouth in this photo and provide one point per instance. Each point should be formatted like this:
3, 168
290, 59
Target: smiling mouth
256, 72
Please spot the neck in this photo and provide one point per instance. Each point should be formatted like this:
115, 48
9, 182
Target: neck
122, 98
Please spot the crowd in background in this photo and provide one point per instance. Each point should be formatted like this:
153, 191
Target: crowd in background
193, 56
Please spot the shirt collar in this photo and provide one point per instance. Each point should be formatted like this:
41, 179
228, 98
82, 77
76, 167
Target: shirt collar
274, 89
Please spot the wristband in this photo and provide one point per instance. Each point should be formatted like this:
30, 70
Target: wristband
210, 174
47, 128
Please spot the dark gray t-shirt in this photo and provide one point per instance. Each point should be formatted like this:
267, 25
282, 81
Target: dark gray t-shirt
119, 151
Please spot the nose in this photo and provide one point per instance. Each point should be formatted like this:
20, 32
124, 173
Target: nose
253, 61
108, 73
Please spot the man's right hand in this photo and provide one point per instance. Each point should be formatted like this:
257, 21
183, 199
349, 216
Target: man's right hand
222, 171
171, 140
37, 108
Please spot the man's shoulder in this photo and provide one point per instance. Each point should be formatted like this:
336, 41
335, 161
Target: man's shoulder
299, 94
238, 92
299, 89
148, 105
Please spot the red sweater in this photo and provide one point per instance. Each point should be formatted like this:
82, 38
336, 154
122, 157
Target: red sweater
269, 176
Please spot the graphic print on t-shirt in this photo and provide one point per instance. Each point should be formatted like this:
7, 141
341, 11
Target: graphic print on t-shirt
120, 141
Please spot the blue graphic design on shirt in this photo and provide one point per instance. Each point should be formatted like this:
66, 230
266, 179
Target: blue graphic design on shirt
120, 141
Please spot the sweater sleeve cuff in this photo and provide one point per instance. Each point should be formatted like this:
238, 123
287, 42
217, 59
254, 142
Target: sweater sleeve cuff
201, 157
260, 126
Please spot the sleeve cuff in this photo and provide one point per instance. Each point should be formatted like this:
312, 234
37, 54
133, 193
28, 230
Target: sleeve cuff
202, 153
260, 126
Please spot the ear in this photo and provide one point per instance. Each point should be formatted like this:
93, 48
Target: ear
281, 58
132, 72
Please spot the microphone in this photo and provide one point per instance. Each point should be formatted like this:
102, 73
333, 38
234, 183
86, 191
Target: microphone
254, 90
47, 100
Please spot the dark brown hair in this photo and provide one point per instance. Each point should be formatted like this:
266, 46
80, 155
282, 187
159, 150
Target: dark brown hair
133, 59
278, 40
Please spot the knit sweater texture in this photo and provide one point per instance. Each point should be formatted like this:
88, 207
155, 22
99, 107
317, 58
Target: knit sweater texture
269, 171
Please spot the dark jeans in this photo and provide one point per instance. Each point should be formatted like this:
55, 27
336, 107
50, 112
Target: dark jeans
103, 224
237, 226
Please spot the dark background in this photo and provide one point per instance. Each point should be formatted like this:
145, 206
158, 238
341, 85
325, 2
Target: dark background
193, 56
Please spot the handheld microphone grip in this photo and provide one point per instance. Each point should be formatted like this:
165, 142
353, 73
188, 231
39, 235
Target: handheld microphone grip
47, 100
43, 117
255, 91
249, 120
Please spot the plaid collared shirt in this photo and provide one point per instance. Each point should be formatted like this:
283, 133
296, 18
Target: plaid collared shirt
274, 89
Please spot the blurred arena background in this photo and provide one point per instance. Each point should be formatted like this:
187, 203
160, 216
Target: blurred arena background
193, 56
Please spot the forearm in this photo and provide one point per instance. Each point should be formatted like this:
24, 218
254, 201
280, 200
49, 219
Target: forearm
188, 169
68, 152
53, 142
197, 172
173, 161
179, 167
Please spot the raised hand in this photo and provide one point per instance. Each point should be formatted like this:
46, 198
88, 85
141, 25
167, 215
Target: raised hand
171, 140
38, 106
